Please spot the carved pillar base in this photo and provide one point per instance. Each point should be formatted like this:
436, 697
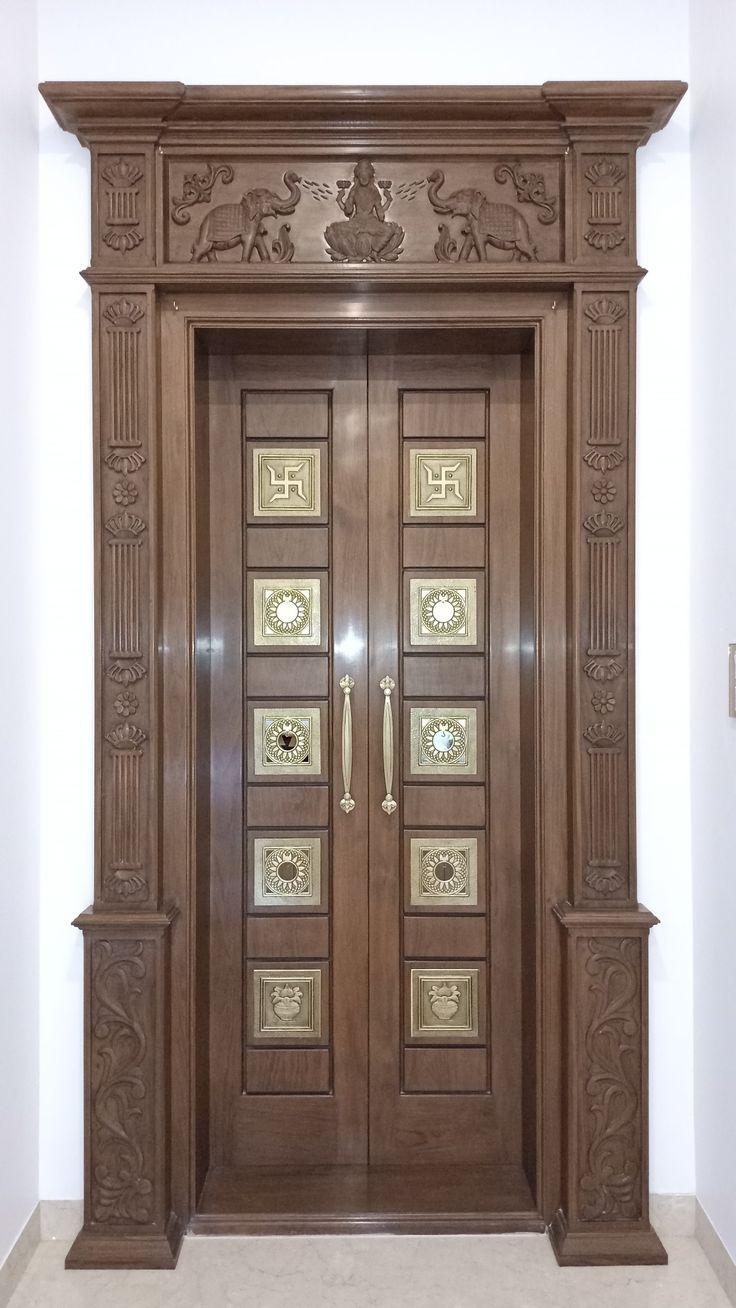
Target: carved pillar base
604, 1216
93, 1249
128, 1220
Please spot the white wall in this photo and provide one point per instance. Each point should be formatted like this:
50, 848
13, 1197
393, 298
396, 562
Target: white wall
714, 607
427, 42
19, 785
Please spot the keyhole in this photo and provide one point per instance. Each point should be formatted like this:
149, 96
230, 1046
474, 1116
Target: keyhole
444, 872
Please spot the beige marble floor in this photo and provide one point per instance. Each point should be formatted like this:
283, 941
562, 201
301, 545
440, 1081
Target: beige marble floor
514, 1271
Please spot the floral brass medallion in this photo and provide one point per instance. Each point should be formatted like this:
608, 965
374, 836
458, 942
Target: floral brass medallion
443, 483
443, 611
286, 611
444, 1002
443, 740
286, 740
286, 483
287, 1003
444, 871
287, 872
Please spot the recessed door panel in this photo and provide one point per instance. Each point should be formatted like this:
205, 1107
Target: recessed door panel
364, 557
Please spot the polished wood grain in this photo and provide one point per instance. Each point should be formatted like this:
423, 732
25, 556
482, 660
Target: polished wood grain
567, 318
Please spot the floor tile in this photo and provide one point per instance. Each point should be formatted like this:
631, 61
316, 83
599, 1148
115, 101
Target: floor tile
515, 1271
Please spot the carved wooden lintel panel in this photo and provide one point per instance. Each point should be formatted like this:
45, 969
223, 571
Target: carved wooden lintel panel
202, 192
546, 182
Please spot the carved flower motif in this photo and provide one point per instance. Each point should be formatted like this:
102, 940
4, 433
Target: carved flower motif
125, 492
126, 704
604, 702
603, 492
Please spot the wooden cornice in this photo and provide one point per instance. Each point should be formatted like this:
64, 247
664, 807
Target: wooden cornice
167, 111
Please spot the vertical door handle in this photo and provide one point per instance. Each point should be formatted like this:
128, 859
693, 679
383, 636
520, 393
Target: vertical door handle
347, 803
387, 686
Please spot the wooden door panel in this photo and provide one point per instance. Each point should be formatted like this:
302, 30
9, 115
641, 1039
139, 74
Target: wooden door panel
286, 676
271, 547
290, 1086
426, 548
444, 584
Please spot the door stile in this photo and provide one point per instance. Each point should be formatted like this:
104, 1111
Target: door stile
384, 580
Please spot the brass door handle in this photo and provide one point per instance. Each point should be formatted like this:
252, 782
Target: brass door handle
347, 803
387, 686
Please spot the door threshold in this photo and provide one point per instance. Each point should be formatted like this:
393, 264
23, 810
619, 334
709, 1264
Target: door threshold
420, 1200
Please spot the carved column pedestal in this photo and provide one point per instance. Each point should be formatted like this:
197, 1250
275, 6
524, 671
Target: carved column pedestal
604, 1217
127, 1217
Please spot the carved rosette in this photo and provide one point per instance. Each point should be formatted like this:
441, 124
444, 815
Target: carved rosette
603, 864
126, 563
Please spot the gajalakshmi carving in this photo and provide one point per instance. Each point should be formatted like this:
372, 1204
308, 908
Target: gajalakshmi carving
228, 225
364, 236
488, 223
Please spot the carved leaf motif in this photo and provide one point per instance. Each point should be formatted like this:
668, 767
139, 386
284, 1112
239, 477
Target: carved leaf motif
197, 189
530, 189
611, 1140
603, 460
122, 1188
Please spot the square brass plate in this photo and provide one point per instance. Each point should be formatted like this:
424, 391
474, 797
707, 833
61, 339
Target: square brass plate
287, 1003
286, 482
286, 611
286, 741
444, 872
443, 740
287, 871
443, 611
444, 1002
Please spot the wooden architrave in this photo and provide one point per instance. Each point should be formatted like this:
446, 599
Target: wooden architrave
561, 159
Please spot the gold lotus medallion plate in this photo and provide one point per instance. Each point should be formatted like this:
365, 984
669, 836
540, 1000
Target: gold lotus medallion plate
286, 482
286, 741
444, 872
443, 741
443, 483
443, 610
287, 872
287, 1003
286, 611
444, 1002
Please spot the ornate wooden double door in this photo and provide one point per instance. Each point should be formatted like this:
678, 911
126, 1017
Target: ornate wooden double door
367, 555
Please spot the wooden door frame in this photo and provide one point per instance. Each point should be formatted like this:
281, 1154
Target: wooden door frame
567, 153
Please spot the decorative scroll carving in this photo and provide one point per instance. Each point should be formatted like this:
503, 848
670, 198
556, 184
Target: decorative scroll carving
605, 195
609, 1185
364, 236
530, 189
487, 223
122, 220
228, 225
197, 189
604, 870
121, 1108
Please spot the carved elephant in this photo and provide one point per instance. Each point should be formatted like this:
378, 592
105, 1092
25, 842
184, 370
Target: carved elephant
241, 224
488, 223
